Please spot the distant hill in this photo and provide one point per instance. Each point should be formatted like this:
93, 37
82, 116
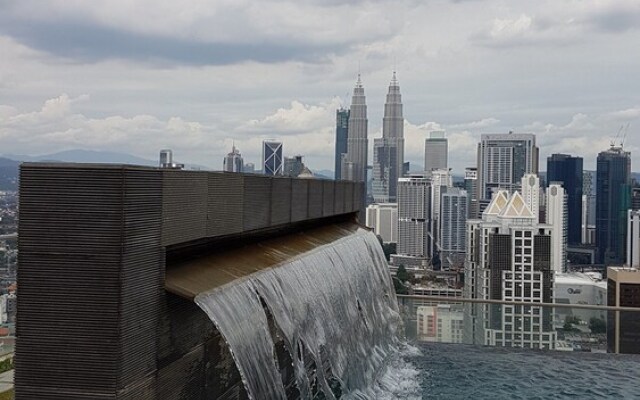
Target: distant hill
8, 174
10, 163
93, 156
87, 156
324, 174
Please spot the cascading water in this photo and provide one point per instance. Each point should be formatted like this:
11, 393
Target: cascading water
334, 308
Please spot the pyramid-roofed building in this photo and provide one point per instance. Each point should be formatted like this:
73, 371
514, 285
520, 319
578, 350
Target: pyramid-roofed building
498, 202
516, 208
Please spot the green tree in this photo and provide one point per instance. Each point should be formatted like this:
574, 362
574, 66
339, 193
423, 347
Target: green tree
399, 287
389, 249
597, 325
568, 324
402, 274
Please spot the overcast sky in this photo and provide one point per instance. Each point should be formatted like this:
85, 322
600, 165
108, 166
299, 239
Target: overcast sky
196, 75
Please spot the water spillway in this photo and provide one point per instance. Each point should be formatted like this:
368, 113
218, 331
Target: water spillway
325, 295
116, 259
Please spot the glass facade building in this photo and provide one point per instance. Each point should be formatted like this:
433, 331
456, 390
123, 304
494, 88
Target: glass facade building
272, 161
342, 134
567, 170
503, 159
613, 199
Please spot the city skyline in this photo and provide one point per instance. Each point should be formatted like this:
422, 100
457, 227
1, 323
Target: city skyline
515, 66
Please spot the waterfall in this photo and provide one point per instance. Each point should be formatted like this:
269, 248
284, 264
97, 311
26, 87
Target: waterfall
334, 309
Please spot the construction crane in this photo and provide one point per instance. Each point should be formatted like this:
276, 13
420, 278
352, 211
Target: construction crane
624, 136
615, 138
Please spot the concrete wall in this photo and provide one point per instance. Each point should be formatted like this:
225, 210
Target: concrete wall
93, 319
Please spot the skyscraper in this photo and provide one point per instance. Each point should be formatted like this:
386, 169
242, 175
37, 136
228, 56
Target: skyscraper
342, 134
557, 217
166, 158
623, 290
453, 230
233, 161
385, 156
612, 202
436, 152
293, 166
509, 257
503, 159
413, 216
471, 186
354, 163
588, 207
383, 219
441, 179
272, 161
388, 164
633, 239
249, 168
567, 170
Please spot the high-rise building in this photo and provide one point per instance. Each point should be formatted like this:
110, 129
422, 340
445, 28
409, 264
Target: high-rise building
272, 161
509, 257
441, 179
556, 210
436, 152
166, 158
588, 207
442, 323
249, 168
388, 163
471, 186
383, 219
293, 166
354, 163
414, 198
342, 134
503, 159
453, 230
635, 197
623, 327
567, 170
530, 190
385, 156
612, 202
633, 238
233, 161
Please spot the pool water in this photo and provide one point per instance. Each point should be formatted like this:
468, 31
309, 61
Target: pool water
446, 371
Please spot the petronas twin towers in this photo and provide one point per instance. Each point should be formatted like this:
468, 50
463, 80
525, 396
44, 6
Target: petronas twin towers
354, 162
388, 151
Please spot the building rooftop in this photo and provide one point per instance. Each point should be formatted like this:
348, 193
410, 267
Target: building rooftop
578, 278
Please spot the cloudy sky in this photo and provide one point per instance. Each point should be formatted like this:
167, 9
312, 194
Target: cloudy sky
196, 75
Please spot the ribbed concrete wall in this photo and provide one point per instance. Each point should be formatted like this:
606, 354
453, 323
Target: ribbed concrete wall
90, 266
93, 318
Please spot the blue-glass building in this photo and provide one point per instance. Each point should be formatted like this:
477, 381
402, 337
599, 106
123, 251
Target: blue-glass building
568, 170
613, 199
342, 134
272, 161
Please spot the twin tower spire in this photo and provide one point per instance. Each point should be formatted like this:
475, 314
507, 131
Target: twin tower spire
388, 151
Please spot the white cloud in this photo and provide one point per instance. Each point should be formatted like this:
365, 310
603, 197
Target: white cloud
57, 127
584, 135
298, 118
564, 64
483, 123
506, 29
629, 113
234, 21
